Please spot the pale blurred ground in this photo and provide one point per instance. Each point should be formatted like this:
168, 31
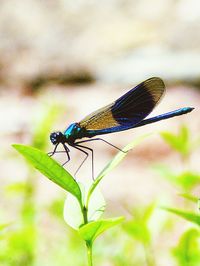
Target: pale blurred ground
47, 47
118, 41
122, 42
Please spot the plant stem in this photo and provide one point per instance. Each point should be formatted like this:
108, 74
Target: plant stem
89, 253
84, 212
88, 243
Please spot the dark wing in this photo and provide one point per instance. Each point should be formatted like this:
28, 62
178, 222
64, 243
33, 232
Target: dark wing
127, 111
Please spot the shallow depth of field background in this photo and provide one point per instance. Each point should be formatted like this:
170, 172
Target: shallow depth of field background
61, 60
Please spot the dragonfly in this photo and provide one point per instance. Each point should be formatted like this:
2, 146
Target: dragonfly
127, 112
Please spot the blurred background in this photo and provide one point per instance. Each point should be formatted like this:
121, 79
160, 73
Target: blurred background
61, 60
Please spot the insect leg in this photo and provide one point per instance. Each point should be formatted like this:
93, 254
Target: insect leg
67, 152
82, 141
56, 152
83, 160
51, 153
84, 147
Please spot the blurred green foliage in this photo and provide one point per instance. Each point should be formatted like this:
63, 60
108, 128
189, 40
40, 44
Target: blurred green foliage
188, 249
180, 142
24, 242
19, 245
138, 229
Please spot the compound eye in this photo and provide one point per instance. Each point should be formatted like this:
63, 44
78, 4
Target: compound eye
57, 137
53, 138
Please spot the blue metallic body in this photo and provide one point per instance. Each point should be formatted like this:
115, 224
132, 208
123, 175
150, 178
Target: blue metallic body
129, 111
74, 131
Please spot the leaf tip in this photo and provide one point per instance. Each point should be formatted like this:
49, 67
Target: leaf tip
16, 146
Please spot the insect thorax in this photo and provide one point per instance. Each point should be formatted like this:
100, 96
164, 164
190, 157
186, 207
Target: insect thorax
73, 132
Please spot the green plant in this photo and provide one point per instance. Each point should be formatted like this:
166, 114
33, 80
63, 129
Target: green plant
182, 143
20, 243
85, 204
186, 180
188, 248
138, 228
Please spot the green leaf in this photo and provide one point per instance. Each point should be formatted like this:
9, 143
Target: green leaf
188, 249
189, 216
148, 212
92, 230
138, 230
3, 226
73, 215
22, 242
184, 134
51, 169
16, 187
114, 162
179, 142
186, 180
189, 197
137, 227
72, 212
96, 205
